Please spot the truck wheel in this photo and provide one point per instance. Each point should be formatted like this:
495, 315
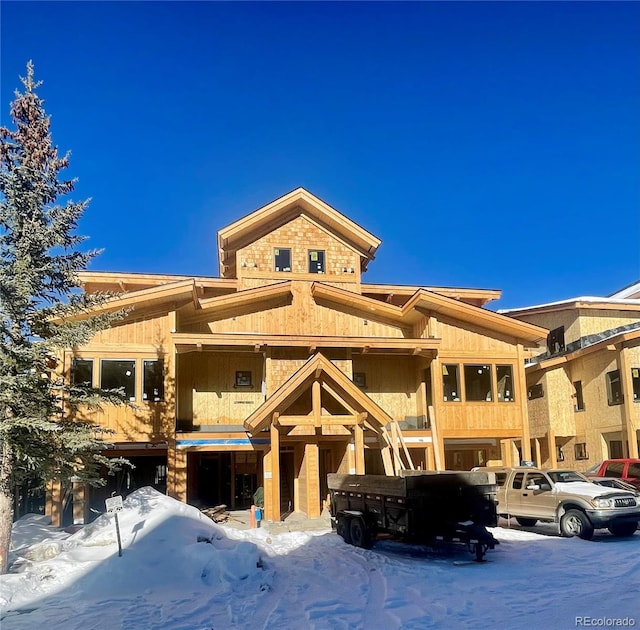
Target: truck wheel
360, 536
526, 522
623, 529
576, 523
342, 529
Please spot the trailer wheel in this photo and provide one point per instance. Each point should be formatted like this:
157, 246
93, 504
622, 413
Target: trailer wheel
576, 523
342, 528
360, 536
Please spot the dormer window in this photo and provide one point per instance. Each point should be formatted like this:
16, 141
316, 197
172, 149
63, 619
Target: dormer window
282, 259
316, 261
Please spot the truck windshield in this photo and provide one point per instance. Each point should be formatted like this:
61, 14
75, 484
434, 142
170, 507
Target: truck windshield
566, 476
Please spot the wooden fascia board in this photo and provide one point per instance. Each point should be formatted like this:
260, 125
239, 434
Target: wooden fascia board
484, 318
143, 298
107, 281
481, 296
258, 294
368, 306
573, 306
305, 341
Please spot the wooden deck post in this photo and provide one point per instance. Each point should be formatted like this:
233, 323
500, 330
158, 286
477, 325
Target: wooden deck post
553, 454
358, 432
524, 411
628, 409
54, 503
312, 462
176, 472
275, 471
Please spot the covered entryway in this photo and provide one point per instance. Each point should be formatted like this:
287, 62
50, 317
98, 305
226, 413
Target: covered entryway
317, 421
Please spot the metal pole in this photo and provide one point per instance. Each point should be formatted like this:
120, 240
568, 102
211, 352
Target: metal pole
118, 535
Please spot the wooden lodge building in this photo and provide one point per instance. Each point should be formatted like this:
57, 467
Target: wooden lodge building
584, 390
289, 366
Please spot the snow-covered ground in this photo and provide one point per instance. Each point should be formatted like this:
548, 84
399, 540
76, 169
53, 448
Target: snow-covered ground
181, 571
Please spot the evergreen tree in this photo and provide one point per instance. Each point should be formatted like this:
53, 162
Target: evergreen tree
42, 311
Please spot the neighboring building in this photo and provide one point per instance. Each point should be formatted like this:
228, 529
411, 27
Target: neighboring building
584, 391
288, 366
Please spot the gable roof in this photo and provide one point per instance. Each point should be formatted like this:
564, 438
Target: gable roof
582, 302
318, 366
280, 211
423, 300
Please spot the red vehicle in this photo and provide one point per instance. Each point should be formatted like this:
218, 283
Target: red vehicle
626, 469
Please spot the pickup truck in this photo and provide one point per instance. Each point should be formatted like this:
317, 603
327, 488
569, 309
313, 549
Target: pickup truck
567, 498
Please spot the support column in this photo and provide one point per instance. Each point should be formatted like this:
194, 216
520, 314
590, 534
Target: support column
628, 407
553, 454
79, 503
436, 387
275, 470
536, 444
524, 411
54, 503
312, 462
176, 472
358, 432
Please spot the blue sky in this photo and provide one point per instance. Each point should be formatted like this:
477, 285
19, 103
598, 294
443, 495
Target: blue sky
488, 144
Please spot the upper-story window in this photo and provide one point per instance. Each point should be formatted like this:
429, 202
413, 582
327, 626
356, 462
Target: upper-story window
119, 374
555, 340
82, 372
316, 261
504, 376
635, 382
153, 380
477, 383
614, 388
282, 259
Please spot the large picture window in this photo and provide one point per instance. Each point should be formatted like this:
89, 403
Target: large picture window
477, 383
82, 372
450, 383
153, 381
119, 374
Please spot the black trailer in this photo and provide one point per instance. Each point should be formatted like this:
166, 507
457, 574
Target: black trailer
423, 507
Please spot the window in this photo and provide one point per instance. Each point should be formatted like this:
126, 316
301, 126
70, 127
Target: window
316, 261
535, 391
450, 383
504, 374
282, 259
153, 381
581, 450
614, 388
477, 383
633, 472
360, 379
119, 374
555, 340
243, 379
635, 383
517, 481
559, 454
579, 406
614, 470
82, 372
